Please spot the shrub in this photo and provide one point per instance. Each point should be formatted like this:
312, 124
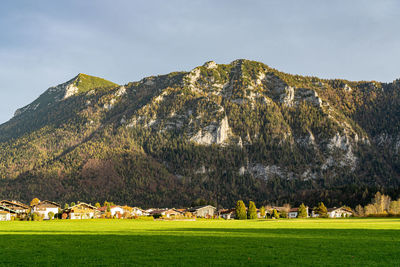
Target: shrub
51, 215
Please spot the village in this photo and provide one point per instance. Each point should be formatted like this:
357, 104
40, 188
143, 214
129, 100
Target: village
37, 210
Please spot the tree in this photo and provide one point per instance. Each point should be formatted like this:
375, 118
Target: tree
262, 212
34, 202
252, 211
51, 215
241, 210
97, 205
72, 204
275, 214
302, 211
360, 211
381, 202
321, 210
395, 207
66, 206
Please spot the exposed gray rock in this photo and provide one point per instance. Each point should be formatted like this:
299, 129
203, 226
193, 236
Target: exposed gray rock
213, 134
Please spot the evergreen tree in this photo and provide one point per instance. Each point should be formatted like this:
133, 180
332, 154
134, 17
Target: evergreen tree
321, 210
262, 212
275, 214
252, 211
241, 210
302, 211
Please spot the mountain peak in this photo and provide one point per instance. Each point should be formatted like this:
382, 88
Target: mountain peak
81, 83
84, 83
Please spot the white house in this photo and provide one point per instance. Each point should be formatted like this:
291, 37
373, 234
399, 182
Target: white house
81, 211
137, 211
227, 214
294, 213
43, 208
5, 213
339, 212
114, 210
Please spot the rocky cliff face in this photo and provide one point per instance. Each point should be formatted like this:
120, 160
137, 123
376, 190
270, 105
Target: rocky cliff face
220, 132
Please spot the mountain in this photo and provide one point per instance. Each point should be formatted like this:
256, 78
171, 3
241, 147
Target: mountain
220, 132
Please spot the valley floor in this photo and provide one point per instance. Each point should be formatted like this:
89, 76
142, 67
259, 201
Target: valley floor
308, 242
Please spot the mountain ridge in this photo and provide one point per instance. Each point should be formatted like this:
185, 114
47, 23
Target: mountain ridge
219, 132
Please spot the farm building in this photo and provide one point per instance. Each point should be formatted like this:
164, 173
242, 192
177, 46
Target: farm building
294, 213
6, 213
114, 210
166, 212
16, 206
227, 214
137, 211
203, 211
339, 212
81, 211
43, 208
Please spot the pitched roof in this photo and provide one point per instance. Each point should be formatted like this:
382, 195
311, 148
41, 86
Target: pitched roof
7, 209
341, 208
81, 204
104, 208
47, 204
200, 207
227, 211
13, 203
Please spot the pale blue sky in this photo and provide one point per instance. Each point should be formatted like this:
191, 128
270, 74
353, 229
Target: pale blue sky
47, 42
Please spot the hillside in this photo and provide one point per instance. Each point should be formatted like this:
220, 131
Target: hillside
219, 132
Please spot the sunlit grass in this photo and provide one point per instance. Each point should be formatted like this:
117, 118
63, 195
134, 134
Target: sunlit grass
309, 242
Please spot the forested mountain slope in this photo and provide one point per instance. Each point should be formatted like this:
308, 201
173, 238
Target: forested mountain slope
219, 132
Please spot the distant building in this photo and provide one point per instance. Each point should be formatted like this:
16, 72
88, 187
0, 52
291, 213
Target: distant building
339, 212
227, 214
114, 210
81, 211
203, 211
16, 206
6, 213
169, 213
137, 212
294, 213
43, 208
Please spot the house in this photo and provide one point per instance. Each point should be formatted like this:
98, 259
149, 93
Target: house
137, 212
227, 214
81, 211
203, 211
114, 210
294, 213
43, 208
169, 213
339, 212
6, 213
20, 208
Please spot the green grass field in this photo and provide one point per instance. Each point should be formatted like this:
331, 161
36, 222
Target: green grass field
326, 242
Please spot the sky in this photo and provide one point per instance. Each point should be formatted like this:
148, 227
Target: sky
45, 43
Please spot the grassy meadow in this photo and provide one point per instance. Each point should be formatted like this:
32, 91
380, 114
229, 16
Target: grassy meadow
307, 242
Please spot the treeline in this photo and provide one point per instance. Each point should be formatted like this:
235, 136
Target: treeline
380, 206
